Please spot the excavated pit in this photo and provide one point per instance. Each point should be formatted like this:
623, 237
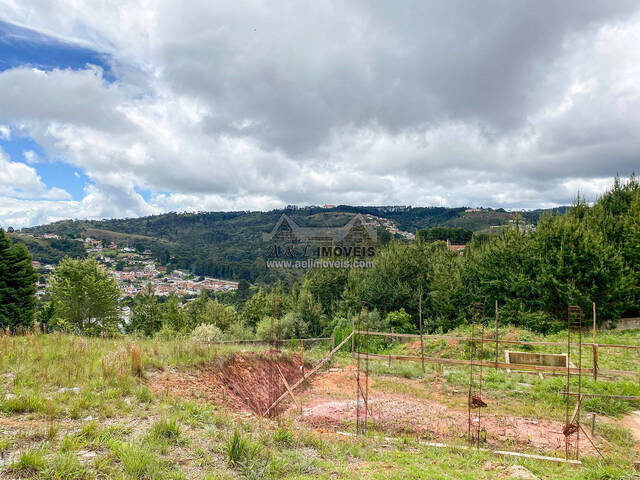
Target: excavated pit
243, 381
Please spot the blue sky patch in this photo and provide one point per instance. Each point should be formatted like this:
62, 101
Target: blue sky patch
20, 46
24, 47
53, 174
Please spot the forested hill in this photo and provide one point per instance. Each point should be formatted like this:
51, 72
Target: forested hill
229, 244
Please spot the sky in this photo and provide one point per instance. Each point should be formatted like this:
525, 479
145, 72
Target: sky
123, 109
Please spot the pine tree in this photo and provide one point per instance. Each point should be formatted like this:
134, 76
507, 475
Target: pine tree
17, 285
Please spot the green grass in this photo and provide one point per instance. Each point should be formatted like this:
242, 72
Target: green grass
134, 434
29, 462
5, 444
284, 436
239, 448
23, 403
66, 466
167, 430
140, 462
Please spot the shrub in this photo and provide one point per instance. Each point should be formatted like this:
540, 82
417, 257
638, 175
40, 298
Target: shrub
166, 333
5, 444
207, 332
238, 331
400, 321
289, 326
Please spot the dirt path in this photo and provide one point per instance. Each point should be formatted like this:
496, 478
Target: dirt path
632, 422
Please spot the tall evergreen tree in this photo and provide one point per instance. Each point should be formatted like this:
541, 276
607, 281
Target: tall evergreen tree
17, 285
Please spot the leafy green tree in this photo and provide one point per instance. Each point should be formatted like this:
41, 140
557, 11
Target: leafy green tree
220, 315
399, 274
255, 309
536, 276
242, 293
290, 325
204, 310
46, 315
501, 269
17, 285
575, 265
400, 321
617, 215
310, 313
441, 303
384, 237
86, 298
196, 310
326, 285
146, 313
454, 235
173, 315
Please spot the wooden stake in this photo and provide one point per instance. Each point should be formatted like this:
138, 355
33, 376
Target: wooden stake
286, 384
421, 341
590, 441
595, 346
311, 372
497, 316
353, 329
302, 355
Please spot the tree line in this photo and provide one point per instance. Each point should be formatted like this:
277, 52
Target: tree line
589, 254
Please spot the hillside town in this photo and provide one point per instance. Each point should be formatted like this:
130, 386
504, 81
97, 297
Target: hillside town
134, 270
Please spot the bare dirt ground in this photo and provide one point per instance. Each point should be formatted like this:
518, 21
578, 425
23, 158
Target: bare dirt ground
632, 422
251, 381
248, 381
330, 402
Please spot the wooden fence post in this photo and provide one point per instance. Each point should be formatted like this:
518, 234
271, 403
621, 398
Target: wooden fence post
595, 346
353, 328
497, 316
421, 341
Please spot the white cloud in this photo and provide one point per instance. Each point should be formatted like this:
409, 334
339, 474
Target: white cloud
5, 132
31, 157
219, 106
21, 181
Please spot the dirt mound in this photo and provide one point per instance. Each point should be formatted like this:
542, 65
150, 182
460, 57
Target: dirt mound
246, 381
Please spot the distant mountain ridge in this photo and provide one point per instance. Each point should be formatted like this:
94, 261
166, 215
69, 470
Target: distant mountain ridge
229, 244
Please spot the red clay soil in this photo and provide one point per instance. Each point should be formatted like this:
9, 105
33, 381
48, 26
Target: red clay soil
247, 381
330, 403
251, 382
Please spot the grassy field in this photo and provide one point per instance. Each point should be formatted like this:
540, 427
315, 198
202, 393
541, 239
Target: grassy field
81, 408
